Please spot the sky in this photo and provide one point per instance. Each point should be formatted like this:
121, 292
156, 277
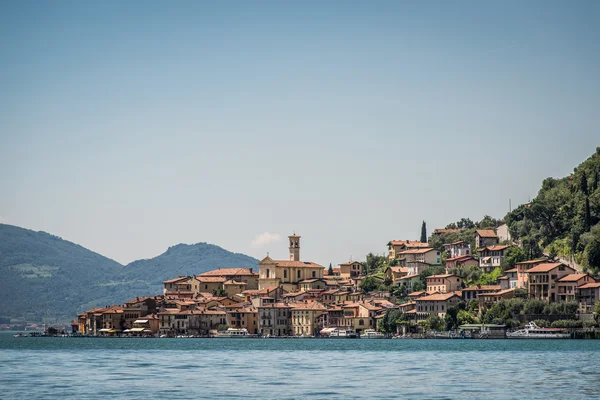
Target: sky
129, 127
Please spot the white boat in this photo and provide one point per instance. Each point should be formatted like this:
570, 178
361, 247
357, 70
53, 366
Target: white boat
338, 333
233, 333
372, 334
532, 331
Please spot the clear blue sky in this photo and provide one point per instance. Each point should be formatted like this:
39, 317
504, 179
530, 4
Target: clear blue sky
128, 128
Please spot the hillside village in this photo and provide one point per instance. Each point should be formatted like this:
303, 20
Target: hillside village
419, 287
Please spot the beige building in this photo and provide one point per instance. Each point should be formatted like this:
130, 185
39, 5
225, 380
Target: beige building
443, 283
234, 287
275, 319
308, 318
587, 296
243, 317
397, 246
245, 275
491, 257
485, 237
351, 269
568, 284
425, 255
436, 304
543, 279
288, 273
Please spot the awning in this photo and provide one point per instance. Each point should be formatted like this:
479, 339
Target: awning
140, 321
327, 330
136, 330
126, 330
104, 330
486, 259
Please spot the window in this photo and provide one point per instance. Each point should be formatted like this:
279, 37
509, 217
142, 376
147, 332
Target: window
298, 274
285, 273
314, 274
267, 272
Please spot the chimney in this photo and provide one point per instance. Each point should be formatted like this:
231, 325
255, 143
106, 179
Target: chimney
250, 270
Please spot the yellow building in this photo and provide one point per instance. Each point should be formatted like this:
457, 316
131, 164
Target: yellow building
308, 318
288, 273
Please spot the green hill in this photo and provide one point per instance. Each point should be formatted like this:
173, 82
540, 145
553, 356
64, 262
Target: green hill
564, 218
44, 276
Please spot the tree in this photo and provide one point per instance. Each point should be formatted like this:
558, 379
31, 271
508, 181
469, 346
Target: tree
330, 271
424, 232
597, 310
592, 252
512, 256
435, 323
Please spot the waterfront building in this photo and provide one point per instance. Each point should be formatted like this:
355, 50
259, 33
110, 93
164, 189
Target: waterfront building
587, 296
568, 284
274, 319
437, 303
243, 317
543, 279
308, 318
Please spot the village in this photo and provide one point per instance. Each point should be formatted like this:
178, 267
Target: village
296, 298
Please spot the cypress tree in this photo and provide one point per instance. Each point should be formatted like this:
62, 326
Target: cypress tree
330, 272
423, 233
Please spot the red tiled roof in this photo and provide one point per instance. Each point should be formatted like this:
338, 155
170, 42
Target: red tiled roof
179, 278
486, 233
590, 285
229, 271
297, 264
483, 287
441, 276
438, 297
408, 243
417, 251
494, 248
546, 267
572, 277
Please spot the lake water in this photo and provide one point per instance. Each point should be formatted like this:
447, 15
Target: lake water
85, 368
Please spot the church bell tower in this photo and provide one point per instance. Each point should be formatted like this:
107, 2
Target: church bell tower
294, 247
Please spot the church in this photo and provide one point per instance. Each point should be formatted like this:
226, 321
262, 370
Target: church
287, 274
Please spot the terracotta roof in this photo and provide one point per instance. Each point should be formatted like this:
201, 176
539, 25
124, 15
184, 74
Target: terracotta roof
297, 264
351, 262
313, 305
399, 269
209, 279
459, 258
408, 277
232, 282
494, 248
275, 305
590, 285
503, 278
500, 293
417, 251
572, 277
438, 297
179, 278
408, 243
486, 233
531, 262
441, 276
413, 294
229, 271
545, 267
511, 270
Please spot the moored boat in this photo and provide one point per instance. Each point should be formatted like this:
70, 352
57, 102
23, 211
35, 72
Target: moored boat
372, 334
532, 331
233, 333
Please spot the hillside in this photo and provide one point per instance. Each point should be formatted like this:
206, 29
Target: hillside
564, 218
44, 276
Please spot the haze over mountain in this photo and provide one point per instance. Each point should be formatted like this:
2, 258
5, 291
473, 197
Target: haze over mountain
44, 276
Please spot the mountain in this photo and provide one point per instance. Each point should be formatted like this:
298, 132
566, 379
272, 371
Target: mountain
46, 277
186, 259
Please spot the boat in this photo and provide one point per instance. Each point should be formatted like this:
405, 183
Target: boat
338, 333
233, 333
532, 331
372, 334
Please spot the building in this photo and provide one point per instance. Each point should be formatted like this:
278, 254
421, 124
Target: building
568, 284
245, 275
243, 317
503, 233
542, 281
460, 262
472, 292
485, 237
458, 249
397, 246
395, 273
487, 299
274, 319
522, 268
443, 283
288, 273
587, 297
308, 318
491, 257
436, 304
409, 281
419, 258
351, 269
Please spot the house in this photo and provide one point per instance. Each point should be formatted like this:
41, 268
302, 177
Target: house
472, 292
443, 283
351, 269
522, 268
245, 275
542, 280
275, 319
460, 262
485, 237
308, 318
232, 287
201, 322
360, 315
397, 246
503, 233
425, 255
587, 297
211, 284
568, 284
436, 304
458, 249
171, 284
137, 308
395, 273
491, 257
243, 317
409, 281
312, 284
415, 295
288, 273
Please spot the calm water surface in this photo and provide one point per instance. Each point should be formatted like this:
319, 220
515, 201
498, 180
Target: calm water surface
94, 368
